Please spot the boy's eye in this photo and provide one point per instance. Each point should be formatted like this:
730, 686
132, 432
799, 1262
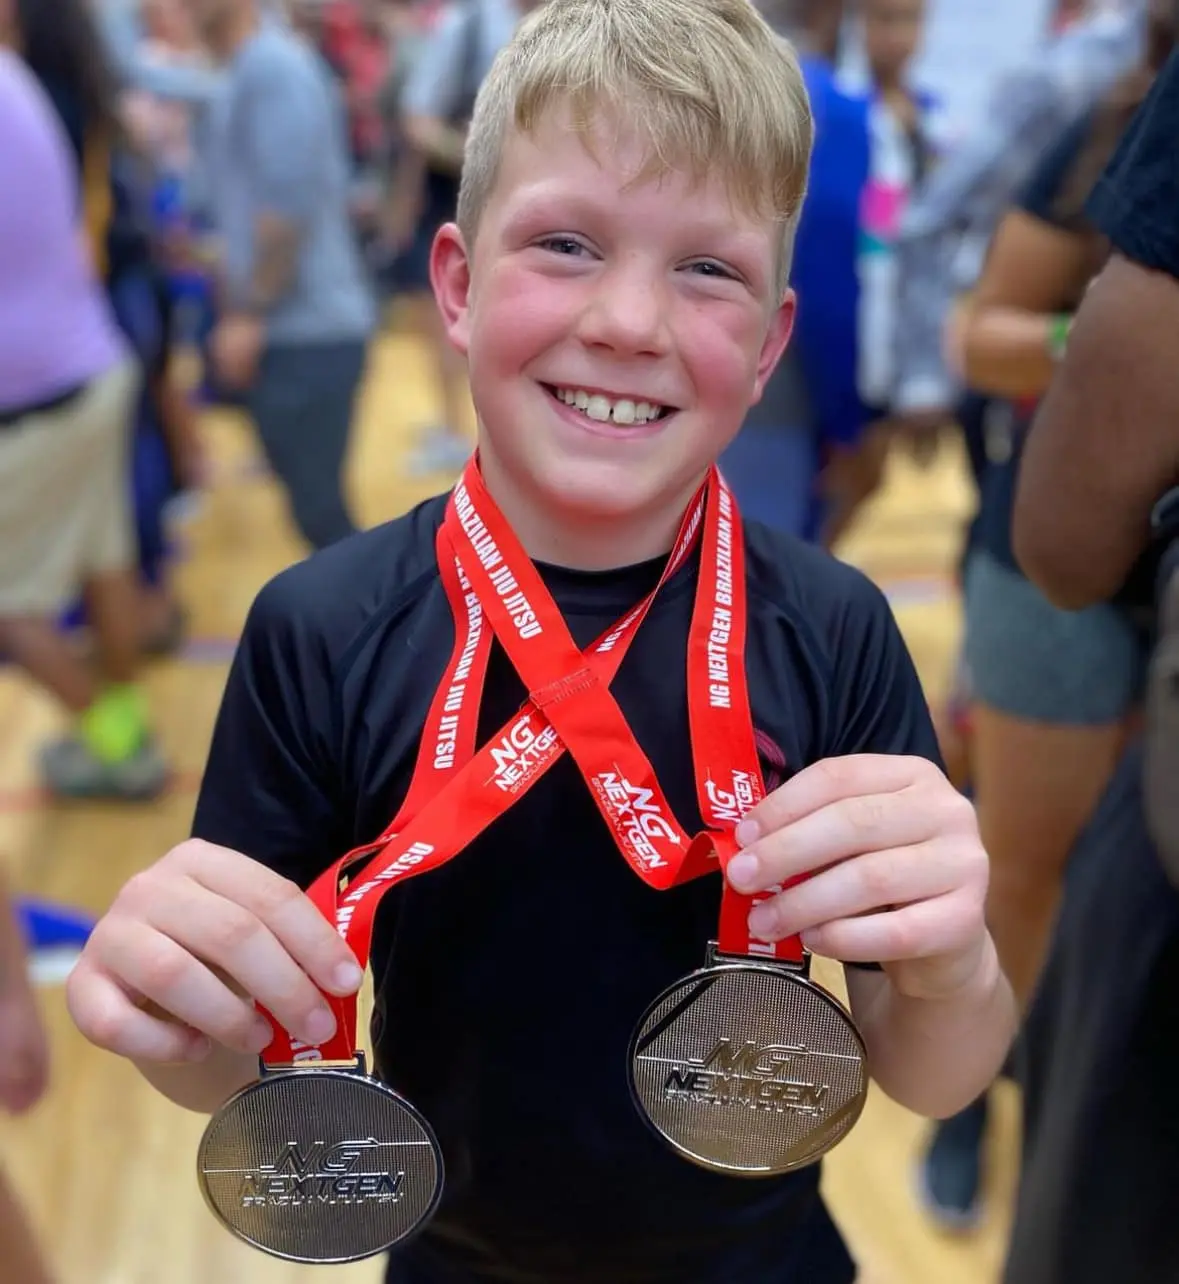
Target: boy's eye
709, 268
562, 245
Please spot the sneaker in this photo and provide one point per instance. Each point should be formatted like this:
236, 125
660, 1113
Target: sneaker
70, 770
950, 1178
440, 451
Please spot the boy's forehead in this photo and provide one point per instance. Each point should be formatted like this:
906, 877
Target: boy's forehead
612, 149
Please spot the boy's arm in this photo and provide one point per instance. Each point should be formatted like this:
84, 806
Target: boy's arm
935, 1051
897, 876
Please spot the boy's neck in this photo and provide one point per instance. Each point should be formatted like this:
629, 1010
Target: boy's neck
586, 544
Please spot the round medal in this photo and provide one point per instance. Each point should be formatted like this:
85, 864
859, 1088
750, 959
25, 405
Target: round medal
749, 1068
320, 1165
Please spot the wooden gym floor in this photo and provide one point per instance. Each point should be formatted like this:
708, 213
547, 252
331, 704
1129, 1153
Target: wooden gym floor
105, 1166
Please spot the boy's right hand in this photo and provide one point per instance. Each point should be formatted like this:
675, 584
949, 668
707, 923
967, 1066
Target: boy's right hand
176, 962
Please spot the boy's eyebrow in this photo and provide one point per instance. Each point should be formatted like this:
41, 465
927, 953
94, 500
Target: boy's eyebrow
543, 201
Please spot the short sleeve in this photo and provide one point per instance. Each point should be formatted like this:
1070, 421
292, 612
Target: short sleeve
1040, 194
1136, 200
286, 135
272, 782
878, 704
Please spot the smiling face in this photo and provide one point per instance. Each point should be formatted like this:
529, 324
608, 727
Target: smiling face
616, 333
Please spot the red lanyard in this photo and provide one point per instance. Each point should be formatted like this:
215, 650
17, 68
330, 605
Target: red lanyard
457, 791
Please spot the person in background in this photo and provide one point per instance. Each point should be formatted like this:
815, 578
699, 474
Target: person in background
57, 42
947, 226
1053, 689
1094, 520
68, 384
943, 238
355, 41
815, 27
906, 139
812, 26
307, 20
876, 141
296, 311
772, 464
436, 103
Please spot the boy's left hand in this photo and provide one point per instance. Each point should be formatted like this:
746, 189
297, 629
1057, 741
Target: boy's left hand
896, 872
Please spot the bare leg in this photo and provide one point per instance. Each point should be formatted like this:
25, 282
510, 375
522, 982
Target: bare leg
115, 607
850, 479
39, 648
1038, 786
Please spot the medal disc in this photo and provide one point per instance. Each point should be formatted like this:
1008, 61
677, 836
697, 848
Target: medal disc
749, 1068
319, 1165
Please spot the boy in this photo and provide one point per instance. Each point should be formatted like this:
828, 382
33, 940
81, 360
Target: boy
618, 317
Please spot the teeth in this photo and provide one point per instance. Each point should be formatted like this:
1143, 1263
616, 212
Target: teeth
602, 410
599, 409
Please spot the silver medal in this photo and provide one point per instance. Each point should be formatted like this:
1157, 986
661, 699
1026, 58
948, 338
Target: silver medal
315, 1164
748, 1067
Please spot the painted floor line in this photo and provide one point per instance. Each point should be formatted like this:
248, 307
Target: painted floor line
37, 798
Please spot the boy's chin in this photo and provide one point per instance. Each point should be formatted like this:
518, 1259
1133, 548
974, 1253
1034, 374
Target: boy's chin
610, 492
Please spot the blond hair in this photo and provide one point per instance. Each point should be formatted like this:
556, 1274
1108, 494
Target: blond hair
708, 84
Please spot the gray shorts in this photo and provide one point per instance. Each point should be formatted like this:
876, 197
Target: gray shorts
1031, 660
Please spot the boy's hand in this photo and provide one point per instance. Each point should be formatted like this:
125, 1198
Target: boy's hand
898, 875
24, 1048
166, 971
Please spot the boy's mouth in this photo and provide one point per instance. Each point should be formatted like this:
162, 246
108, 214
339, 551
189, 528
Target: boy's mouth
623, 411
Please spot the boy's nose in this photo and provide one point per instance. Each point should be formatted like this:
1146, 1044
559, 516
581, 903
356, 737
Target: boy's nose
628, 313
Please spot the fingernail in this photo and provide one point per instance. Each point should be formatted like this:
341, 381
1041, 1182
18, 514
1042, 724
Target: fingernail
200, 1048
263, 1034
747, 832
743, 871
348, 977
320, 1026
762, 922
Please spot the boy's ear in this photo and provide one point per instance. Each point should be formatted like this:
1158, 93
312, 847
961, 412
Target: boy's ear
450, 276
777, 337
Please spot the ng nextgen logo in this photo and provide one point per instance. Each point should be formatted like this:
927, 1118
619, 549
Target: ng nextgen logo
326, 1173
749, 1074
